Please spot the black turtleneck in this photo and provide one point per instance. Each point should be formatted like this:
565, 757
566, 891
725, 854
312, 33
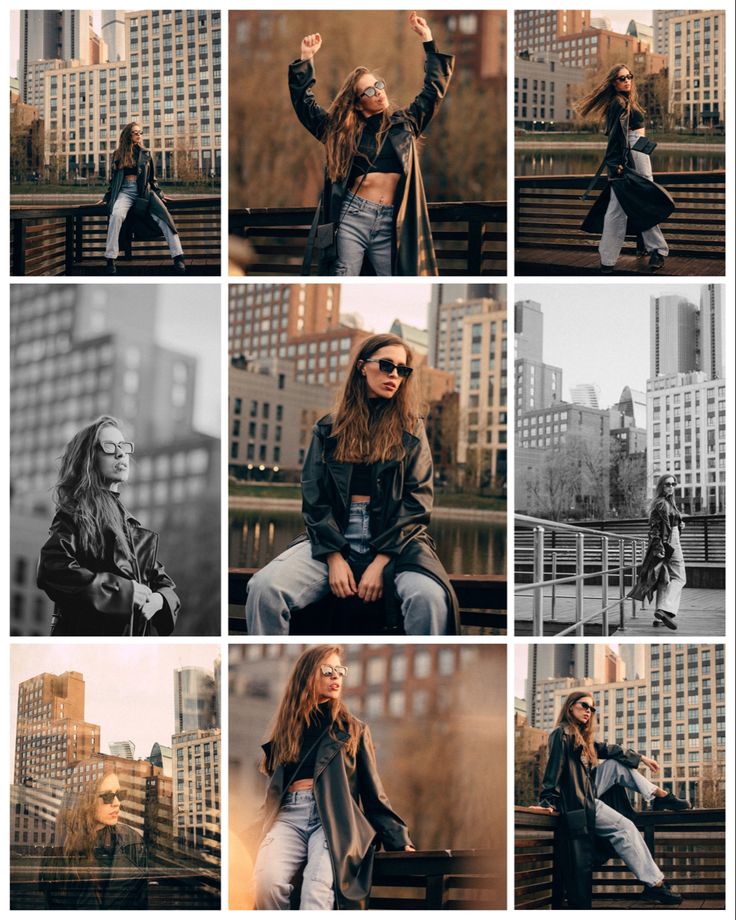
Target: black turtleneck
320, 721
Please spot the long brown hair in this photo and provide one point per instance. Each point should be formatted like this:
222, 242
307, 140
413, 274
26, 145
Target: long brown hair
298, 708
344, 127
76, 824
366, 435
583, 736
597, 101
81, 491
124, 154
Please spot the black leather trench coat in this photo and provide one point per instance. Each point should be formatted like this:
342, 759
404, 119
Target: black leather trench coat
569, 786
413, 250
400, 509
354, 810
115, 880
94, 597
645, 203
136, 226
663, 519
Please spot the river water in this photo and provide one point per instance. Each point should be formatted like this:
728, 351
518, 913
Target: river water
468, 547
560, 162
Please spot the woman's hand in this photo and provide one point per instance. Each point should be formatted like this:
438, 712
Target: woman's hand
310, 46
141, 594
409, 848
371, 584
340, 576
651, 764
95, 203
420, 26
543, 809
152, 606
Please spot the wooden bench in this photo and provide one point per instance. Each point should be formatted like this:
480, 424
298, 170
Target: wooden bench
482, 599
549, 211
469, 237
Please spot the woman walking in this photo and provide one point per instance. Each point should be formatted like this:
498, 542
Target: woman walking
97, 862
584, 782
615, 99
663, 570
367, 491
373, 204
325, 806
99, 566
134, 197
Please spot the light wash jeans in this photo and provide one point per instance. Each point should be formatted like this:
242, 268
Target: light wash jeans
296, 839
614, 223
365, 229
123, 203
294, 580
670, 594
620, 832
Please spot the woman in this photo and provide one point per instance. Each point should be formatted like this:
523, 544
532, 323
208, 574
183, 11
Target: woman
325, 805
97, 862
615, 99
366, 501
99, 565
584, 782
663, 569
373, 204
135, 200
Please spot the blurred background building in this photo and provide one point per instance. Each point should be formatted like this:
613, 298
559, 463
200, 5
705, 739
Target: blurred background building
58, 752
90, 72
666, 701
438, 719
80, 351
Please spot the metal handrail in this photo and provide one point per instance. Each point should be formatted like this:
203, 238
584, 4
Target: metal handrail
539, 584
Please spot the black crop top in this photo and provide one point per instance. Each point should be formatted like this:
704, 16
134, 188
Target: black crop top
368, 159
360, 481
636, 119
310, 734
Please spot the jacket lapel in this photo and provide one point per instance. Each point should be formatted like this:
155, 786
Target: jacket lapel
328, 749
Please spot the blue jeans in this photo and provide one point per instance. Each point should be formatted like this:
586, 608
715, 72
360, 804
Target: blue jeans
365, 229
294, 580
123, 203
620, 832
296, 840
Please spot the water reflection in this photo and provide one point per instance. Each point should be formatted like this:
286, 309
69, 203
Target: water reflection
584, 162
467, 547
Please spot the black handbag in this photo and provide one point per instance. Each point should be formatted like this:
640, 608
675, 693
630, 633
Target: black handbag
644, 145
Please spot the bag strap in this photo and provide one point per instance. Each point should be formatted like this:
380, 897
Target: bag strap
586, 193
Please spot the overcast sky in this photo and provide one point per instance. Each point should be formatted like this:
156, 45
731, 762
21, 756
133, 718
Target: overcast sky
129, 689
620, 19
380, 304
599, 333
521, 659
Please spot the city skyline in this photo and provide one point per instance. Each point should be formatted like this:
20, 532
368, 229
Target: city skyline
15, 36
595, 313
521, 662
146, 674
407, 302
620, 19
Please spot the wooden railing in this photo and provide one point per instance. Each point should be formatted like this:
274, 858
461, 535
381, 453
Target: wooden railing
70, 240
549, 211
689, 848
482, 599
469, 237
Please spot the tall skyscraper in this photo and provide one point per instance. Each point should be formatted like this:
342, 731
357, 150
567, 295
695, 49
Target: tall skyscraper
673, 335
40, 39
113, 34
712, 328
536, 385
195, 699
448, 307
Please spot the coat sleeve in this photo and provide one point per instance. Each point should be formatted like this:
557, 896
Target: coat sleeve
551, 796
656, 531
617, 142
108, 193
391, 830
155, 187
324, 532
416, 502
67, 581
309, 112
606, 751
165, 620
438, 69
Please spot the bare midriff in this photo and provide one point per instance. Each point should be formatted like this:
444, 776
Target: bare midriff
301, 785
360, 498
379, 188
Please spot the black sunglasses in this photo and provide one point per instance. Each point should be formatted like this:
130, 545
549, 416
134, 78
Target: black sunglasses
625, 79
587, 707
371, 91
109, 797
388, 367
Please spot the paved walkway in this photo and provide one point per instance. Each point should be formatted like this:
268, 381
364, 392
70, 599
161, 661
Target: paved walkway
640, 904
702, 613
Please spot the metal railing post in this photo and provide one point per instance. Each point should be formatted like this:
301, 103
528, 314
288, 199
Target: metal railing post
621, 585
579, 583
538, 598
554, 579
604, 583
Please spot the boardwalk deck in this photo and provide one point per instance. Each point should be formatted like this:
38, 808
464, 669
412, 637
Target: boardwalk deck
586, 261
702, 613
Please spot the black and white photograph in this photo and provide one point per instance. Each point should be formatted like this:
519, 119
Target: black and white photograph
114, 466
620, 464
